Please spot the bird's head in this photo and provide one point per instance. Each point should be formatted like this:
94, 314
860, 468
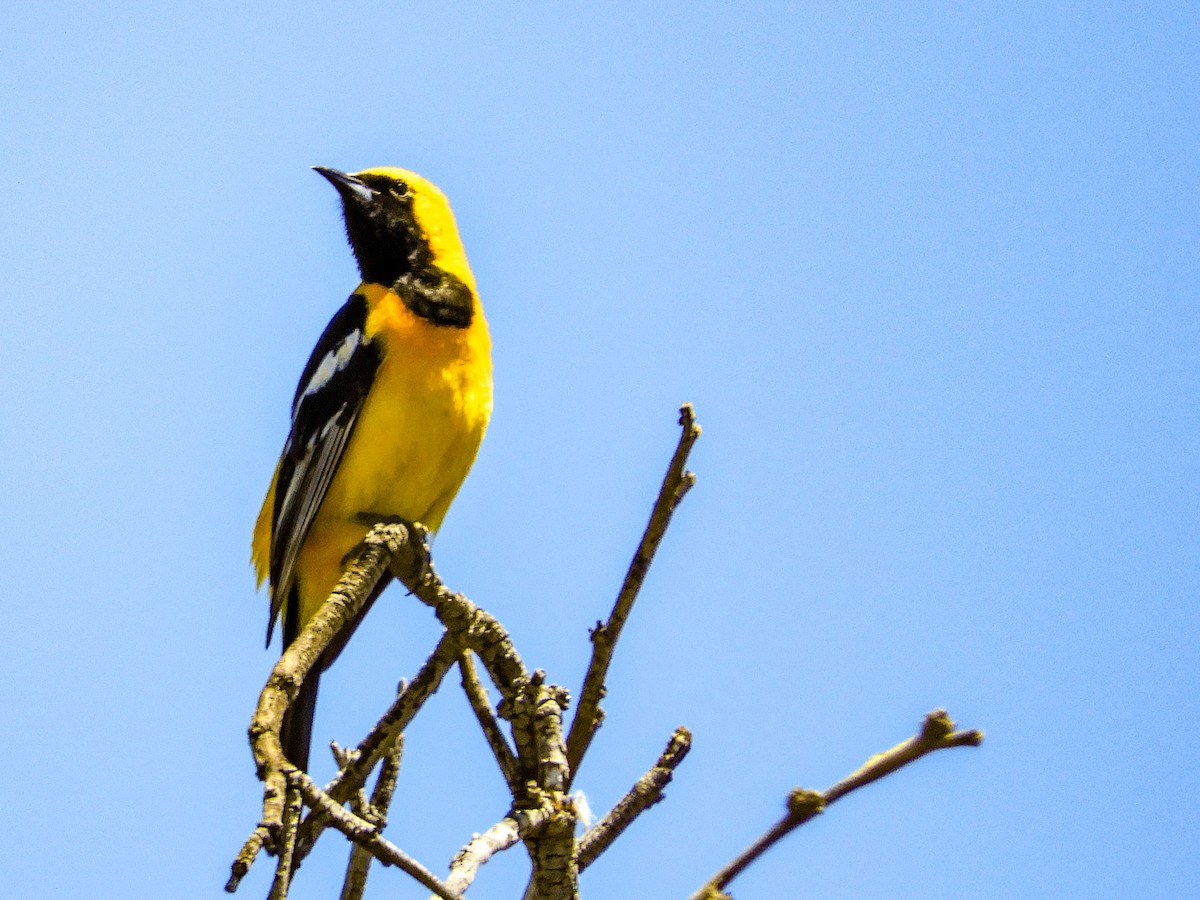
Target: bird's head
398, 224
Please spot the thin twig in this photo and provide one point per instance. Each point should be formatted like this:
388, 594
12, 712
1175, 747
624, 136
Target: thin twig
358, 866
286, 846
675, 485
385, 787
481, 848
646, 791
381, 739
245, 858
363, 833
937, 733
477, 696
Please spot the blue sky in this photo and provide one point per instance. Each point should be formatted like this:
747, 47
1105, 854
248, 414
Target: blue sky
929, 275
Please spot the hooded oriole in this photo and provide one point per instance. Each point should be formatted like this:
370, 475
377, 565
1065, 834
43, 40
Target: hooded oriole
389, 412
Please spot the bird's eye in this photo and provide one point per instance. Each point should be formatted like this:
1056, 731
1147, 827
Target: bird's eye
400, 191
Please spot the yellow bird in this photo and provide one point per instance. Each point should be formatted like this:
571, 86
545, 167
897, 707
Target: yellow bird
389, 413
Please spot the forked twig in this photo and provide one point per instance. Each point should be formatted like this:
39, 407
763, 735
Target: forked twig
367, 835
937, 733
358, 866
676, 484
379, 742
646, 791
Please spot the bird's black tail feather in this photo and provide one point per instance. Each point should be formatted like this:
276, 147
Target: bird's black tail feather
296, 733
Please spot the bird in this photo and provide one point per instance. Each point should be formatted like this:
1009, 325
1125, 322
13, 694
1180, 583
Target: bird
389, 412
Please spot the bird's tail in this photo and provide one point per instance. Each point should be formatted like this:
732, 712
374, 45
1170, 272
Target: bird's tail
296, 733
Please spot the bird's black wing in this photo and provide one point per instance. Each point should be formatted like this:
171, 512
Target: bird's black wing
328, 399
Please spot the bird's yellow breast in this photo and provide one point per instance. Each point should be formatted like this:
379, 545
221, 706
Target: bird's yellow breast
415, 440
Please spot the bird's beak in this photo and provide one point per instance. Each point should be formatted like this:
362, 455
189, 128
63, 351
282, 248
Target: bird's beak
352, 189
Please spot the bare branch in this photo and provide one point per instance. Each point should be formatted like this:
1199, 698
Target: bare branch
540, 762
548, 702
481, 704
646, 791
937, 733
473, 628
521, 823
245, 858
675, 485
555, 872
381, 739
469, 627
366, 835
358, 867
535, 712
385, 787
481, 848
287, 844
552, 849
369, 562
537, 765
